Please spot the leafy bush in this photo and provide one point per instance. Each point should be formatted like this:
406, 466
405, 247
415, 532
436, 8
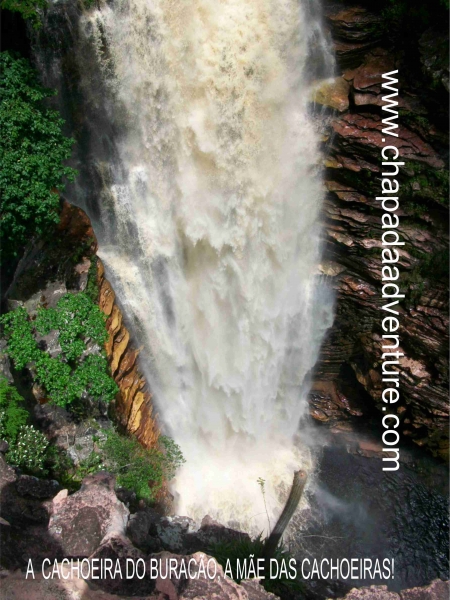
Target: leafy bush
28, 447
76, 318
139, 469
32, 151
29, 451
65, 377
92, 464
27, 8
12, 415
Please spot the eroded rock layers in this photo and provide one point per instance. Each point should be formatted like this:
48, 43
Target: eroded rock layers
348, 376
134, 407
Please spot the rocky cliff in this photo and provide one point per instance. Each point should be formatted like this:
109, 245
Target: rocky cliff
348, 376
68, 262
134, 408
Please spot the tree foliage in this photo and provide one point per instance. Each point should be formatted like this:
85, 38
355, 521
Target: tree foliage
77, 320
28, 9
32, 151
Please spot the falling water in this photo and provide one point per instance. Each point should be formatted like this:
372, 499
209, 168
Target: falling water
203, 158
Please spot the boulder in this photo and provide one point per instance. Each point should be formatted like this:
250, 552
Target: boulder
71, 587
121, 551
332, 93
374, 592
211, 532
142, 530
200, 586
18, 506
173, 531
81, 449
436, 590
24, 519
152, 533
81, 522
27, 485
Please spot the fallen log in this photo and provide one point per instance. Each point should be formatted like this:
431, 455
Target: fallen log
298, 485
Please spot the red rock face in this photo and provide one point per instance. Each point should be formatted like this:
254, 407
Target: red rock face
134, 406
355, 30
348, 382
75, 223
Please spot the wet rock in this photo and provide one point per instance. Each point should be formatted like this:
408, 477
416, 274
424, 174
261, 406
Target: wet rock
355, 30
14, 585
134, 407
333, 94
363, 131
211, 532
4, 447
351, 353
255, 591
75, 224
81, 521
329, 405
25, 515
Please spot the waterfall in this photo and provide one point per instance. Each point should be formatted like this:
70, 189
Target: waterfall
200, 168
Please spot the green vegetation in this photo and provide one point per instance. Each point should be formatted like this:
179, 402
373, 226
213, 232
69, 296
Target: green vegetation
242, 548
139, 469
13, 415
32, 151
433, 183
77, 320
28, 9
92, 290
29, 452
27, 445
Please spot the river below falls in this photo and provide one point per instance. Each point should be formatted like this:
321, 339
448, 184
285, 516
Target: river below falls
359, 511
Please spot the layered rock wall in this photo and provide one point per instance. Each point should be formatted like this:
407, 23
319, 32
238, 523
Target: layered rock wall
348, 377
134, 408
